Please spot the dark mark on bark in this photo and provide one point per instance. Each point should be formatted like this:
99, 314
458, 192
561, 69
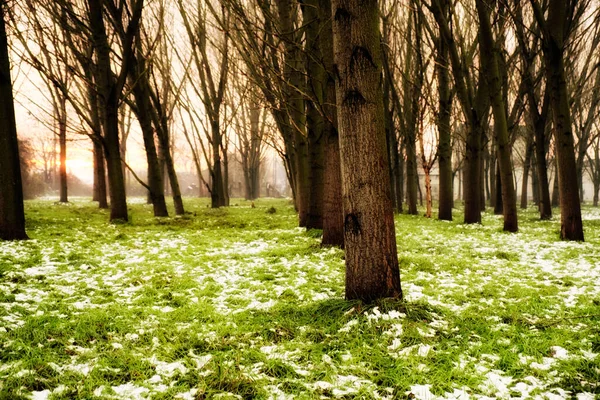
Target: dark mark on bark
342, 15
354, 98
352, 224
361, 56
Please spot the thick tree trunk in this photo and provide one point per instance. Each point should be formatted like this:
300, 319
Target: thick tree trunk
570, 206
314, 118
333, 216
12, 211
446, 194
371, 255
62, 139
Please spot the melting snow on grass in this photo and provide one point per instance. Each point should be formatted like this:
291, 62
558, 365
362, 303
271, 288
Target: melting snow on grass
242, 304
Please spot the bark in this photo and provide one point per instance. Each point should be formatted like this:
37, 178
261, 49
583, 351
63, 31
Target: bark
545, 203
535, 185
446, 193
62, 140
251, 152
108, 98
171, 176
475, 107
538, 118
12, 211
314, 118
371, 256
526, 168
490, 64
100, 189
217, 194
595, 164
555, 187
333, 216
412, 189
143, 112
294, 102
494, 193
570, 206
498, 201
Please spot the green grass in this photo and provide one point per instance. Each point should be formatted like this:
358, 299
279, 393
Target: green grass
240, 303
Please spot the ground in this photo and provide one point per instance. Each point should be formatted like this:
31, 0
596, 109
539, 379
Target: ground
240, 303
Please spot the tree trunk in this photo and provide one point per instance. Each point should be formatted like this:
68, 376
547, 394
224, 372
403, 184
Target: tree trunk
164, 151
294, 102
526, 168
428, 196
412, 190
217, 193
371, 256
100, 189
155, 176
595, 164
545, 203
535, 184
108, 100
62, 139
314, 119
333, 216
555, 189
446, 194
12, 211
570, 207
498, 202
472, 179
399, 176
226, 187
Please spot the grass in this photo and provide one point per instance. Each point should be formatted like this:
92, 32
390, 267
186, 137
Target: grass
240, 303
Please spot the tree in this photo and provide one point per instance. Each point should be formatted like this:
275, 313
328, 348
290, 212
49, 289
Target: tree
538, 110
315, 121
371, 255
333, 218
475, 104
491, 69
211, 89
12, 211
444, 114
555, 30
251, 130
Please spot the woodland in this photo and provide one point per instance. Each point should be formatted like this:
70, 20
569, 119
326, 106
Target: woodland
437, 155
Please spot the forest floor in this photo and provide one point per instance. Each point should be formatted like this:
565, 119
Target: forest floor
240, 303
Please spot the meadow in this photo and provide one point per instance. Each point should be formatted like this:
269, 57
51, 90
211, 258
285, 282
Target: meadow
240, 303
